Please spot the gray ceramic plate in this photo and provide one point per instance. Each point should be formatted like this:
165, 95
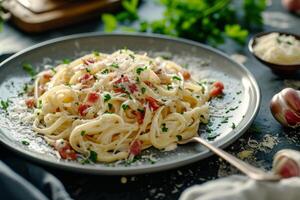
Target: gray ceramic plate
231, 115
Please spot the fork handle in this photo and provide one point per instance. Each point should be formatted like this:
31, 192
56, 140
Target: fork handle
249, 170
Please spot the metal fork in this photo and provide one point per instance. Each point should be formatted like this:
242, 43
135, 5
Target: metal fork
249, 170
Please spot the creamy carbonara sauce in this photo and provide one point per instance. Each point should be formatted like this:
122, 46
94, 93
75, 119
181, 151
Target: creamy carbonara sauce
112, 106
278, 49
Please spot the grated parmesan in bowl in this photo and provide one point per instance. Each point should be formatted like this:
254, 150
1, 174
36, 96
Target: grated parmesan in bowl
278, 48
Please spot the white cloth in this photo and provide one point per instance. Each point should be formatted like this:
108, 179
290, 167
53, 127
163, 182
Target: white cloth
243, 188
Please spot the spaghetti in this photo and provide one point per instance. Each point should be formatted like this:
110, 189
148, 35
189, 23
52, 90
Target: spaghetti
115, 105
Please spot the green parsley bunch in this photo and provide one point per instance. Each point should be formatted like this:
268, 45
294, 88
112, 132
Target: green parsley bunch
209, 21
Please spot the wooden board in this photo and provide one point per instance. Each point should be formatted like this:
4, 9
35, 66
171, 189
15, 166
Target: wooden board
39, 6
50, 14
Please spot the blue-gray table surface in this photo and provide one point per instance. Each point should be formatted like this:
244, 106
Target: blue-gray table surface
257, 146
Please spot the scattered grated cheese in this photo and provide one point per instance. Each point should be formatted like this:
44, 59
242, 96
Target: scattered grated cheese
123, 180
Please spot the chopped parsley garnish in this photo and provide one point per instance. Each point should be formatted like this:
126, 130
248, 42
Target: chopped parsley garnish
25, 88
96, 53
93, 156
233, 126
132, 56
143, 90
169, 87
239, 92
186, 65
82, 133
53, 70
29, 69
25, 143
66, 61
87, 70
225, 120
289, 43
110, 106
212, 136
179, 137
4, 105
278, 40
164, 128
137, 79
152, 161
125, 106
114, 65
232, 109
130, 161
176, 78
107, 97
140, 69
105, 71
40, 104
209, 130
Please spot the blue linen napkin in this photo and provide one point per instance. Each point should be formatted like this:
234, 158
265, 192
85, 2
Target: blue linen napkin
21, 180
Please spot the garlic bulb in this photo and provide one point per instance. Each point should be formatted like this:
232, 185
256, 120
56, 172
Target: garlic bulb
285, 107
287, 163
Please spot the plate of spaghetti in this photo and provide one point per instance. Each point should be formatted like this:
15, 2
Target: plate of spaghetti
119, 104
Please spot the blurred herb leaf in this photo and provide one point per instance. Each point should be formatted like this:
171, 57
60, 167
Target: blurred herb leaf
252, 13
131, 7
110, 22
210, 21
28, 68
236, 32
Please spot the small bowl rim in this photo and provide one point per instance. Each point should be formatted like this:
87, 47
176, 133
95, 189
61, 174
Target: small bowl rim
285, 67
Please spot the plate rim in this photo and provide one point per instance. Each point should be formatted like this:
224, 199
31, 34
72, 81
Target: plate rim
121, 170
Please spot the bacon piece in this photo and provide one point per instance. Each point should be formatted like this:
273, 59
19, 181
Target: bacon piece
133, 88
123, 79
47, 75
93, 97
148, 83
186, 75
82, 109
85, 78
153, 103
119, 90
135, 147
30, 102
88, 61
65, 150
217, 89
140, 117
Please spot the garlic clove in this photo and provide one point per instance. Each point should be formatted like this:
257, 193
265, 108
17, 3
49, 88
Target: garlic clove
292, 98
277, 110
287, 163
285, 107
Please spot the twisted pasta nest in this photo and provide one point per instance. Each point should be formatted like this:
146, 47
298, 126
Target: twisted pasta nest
116, 105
